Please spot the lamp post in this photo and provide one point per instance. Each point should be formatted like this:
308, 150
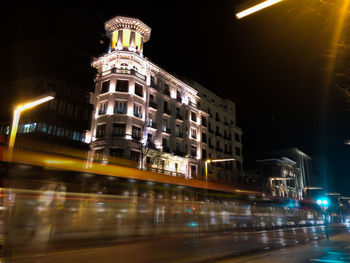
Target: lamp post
17, 114
214, 161
256, 8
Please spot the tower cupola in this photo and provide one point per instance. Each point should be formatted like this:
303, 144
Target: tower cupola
127, 33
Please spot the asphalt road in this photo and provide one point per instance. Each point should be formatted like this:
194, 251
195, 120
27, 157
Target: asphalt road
177, 248
337, 250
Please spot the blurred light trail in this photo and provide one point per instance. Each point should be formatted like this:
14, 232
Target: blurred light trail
341, 18
256, 8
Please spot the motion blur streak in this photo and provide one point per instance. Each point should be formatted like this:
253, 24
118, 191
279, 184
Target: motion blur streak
80, 165
256, 8
335, 41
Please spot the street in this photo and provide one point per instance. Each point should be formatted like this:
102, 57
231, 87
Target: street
194, 248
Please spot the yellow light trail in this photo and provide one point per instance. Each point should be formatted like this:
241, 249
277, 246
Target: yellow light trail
256, 8
17, 115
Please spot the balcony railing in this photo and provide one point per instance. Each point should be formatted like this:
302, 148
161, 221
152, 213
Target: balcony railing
153, 105
218, 149
218, 134
152, 125
167, 92
166, 172
166, 130
179, 117
167, 111
124, 71
166, 149
192, 104
179, 153
179, 135
226, 137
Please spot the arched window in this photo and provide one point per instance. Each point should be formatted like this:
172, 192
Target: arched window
124, 65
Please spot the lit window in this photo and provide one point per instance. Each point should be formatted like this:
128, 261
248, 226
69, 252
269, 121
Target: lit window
122, 85
105, 87
100, 131
120, 107
136, 133
193, 133
137, 111
119, 129
138, 90
103, 108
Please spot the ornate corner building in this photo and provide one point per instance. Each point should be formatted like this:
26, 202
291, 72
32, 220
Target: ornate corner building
145, 114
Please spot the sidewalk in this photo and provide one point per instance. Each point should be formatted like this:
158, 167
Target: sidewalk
337, 250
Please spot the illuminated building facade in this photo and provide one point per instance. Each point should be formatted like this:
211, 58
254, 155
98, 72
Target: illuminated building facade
143, 113
301, 163
280, 177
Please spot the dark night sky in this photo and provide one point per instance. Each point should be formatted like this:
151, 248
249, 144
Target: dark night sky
272, 65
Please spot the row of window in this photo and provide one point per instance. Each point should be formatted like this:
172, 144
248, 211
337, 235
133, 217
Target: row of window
122, 86
119, 129
46, 128
68, 109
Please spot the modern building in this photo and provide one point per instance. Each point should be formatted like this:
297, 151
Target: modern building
42, 52
163, 123
280, 177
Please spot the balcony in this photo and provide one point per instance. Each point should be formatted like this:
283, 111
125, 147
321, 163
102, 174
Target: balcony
152, 125
179, 153
167, 92
193, 155
204, 139
167, 111
179, 135
118, 134
228, 152
210, 130
166, 149
179, 117
193, 136
102, 112
166, 130
136, 137
124, 71
204, 123
218, 134
211, 146
194, 105
218, 149
153, 105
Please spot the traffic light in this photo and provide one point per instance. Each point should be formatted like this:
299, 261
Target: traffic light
323, 202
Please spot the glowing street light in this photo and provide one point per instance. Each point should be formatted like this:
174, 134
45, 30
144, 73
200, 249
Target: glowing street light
214, 161
256, 8
17, 113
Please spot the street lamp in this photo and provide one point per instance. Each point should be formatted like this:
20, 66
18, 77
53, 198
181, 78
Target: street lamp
256, 8
17, 113
214, 161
